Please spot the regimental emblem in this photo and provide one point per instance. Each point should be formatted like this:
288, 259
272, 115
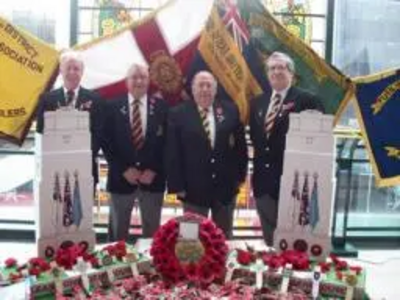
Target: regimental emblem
165, 72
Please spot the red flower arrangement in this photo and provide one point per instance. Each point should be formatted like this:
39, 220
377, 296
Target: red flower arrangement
299, 260
118, 250
10, 262
67, 257
209, 267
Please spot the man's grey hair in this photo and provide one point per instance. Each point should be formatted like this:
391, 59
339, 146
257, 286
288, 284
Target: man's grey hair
71, 55
215, 84
281, 56
136, 67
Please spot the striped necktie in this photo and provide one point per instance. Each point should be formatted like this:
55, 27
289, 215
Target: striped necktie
206, 123
137, 130
70, 97
272, 113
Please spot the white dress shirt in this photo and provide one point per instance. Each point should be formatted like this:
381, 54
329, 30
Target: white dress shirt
142, 110
211, 121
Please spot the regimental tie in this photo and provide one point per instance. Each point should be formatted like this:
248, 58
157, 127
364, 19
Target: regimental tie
273, 112
70, 97
137, 130
206, 123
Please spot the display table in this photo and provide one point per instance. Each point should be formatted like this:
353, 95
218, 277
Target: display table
118, 266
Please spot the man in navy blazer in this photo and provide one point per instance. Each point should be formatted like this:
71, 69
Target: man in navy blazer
134, 136
206, 153
269, 124
73, 95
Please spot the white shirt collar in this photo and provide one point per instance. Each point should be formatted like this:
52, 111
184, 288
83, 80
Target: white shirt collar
209, 109
76, 91
283, 93
142, 99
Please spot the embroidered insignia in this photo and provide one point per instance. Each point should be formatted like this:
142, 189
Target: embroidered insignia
165, 72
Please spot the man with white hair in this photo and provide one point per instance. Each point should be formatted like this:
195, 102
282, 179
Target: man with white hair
134, 134
74, 96
206, 153
269, 124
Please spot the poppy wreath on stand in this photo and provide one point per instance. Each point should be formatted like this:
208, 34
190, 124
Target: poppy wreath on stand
199, 261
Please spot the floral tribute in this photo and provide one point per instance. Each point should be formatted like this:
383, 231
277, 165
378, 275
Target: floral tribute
201, 261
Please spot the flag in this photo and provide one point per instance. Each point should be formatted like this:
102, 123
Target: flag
77, 213
312, 72
27, 65
165, 41
304, 216
221, 49
378, 110
57, 199
295, 198
67, 205
314, 205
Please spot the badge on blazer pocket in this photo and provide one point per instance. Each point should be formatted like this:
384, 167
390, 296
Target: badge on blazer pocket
231, 140
160, 131
86, 105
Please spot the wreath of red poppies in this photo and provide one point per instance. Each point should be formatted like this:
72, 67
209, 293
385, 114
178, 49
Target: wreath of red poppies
210, 267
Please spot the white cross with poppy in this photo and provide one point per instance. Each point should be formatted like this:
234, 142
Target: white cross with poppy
82, 267
57, 272
132, 260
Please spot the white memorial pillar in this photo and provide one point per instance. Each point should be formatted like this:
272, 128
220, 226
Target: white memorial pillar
307, 185
63, 182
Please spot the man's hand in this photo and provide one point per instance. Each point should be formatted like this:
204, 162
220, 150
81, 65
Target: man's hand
132, 175
147, 177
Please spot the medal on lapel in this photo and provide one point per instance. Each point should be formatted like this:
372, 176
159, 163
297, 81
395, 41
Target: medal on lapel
231, 140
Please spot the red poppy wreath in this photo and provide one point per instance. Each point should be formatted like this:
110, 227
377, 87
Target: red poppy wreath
200, 261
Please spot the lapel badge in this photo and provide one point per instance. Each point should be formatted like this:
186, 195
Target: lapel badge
231, 140
219, 114
289, 106
159, 131
123, 110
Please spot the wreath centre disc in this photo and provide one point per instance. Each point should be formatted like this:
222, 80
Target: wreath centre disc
189, 251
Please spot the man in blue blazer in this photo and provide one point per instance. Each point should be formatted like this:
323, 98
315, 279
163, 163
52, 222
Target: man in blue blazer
269, 124
73, 95
206, 153
134, 136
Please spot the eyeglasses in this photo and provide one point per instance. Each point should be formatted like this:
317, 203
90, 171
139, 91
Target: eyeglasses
277, 68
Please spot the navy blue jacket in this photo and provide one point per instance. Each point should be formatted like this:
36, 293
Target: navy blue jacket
269, 153
120, 152
205, 173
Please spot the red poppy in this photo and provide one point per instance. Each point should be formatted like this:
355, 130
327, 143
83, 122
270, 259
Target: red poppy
356, 269
34, 271
244, 258
10, 262
325, 267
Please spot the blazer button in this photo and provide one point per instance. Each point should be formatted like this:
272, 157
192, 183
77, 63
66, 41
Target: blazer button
213, 176
138, 164
267, 166
212, 160
267, 149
